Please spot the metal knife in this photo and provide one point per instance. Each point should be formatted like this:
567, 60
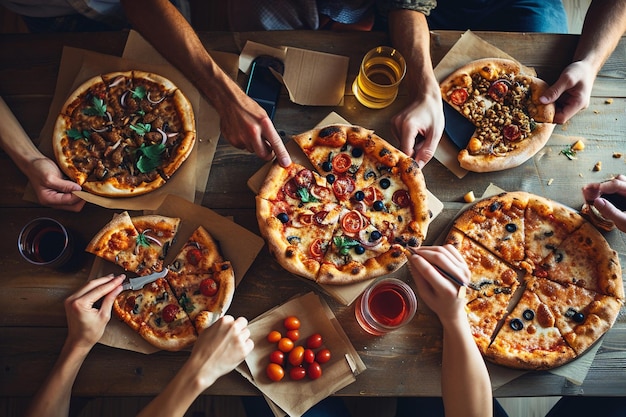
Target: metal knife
138, 283
457, 127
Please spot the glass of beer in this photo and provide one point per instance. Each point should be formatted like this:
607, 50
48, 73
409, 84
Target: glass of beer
381, 72
46, 242
386, 305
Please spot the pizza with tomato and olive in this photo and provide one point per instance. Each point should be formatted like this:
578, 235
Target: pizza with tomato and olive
352, 216
124, 134
544, 286
503, 103
197, 289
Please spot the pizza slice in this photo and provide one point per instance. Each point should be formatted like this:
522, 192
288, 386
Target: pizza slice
154, 313
582, 316
205, 297
358, 251
585, 259
529, 337
497, 223
546, 224
298, 237
116, 242
490, 276
156, 235
198, 255
484, 314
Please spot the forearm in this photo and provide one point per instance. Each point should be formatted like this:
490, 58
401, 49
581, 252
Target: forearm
53, 398
15, 141
605, 23
409, 34
168, 31
465, 384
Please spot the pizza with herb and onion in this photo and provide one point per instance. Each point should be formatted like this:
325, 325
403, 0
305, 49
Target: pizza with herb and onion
124, 133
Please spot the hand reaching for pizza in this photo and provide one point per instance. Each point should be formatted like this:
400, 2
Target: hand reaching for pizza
51, 187
617, 186
419, 126
571, 92
247, 126
439, 293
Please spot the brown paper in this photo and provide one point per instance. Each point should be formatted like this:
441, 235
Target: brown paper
345, 294
296, 397
229, 236
305, 71
190, 180
468, 48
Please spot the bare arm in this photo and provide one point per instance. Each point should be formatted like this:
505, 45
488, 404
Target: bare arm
243, 122
419, 126
218, 350
85, 327
45, 177
605, 23
465, 382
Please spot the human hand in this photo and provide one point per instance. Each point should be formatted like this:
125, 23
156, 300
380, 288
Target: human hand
50, 186
85, 323
246, 125
593, 193
437, 291
419, 127
571, 92
219, 349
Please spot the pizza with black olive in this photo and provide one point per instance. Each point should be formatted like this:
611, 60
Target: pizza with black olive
124, 134
502, 101
545, 285
352, 219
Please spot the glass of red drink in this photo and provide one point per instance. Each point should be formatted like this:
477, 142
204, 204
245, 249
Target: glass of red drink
386, 305
46, 242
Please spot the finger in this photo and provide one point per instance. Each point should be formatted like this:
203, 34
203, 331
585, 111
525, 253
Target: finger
101, 291
611, 212
62, 185
277, 145
552, 93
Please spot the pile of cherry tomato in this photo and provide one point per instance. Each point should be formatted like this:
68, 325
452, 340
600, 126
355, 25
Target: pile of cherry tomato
297, 361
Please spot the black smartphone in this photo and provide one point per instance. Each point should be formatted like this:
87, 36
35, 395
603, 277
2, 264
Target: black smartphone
263, 86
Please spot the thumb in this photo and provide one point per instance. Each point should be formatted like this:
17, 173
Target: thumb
552, 93
63, 186
609, 211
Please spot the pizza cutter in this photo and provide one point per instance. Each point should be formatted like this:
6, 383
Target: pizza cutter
457, 127
138, 283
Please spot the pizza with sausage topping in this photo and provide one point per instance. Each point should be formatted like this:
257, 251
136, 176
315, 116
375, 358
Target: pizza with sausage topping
502, 102
124, 134
545, 284
351, 217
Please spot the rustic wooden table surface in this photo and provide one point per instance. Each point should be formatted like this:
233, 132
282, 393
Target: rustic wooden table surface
406, 362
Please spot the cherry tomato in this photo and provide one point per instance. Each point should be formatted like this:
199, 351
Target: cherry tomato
314, 341
285, 344
304, 178
458, 96
317, 248
194, 256
401, 198
296, 355
372, 194
308, 356
275, 372
277, 357
169, 313
322, 356
320, 216
208, 287
314, 370
293, 334
497, 91
352, 222
512, 132
341, 162
321, 193
291, 323
274, 336
297, 373
343, 187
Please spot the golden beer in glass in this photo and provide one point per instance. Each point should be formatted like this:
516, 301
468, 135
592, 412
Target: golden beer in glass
381, 72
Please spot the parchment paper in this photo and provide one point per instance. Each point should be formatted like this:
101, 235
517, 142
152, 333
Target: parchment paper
345, 294
468, 48
296, 397
237, 245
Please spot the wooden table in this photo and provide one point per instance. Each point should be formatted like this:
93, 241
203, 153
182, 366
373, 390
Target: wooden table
406, 362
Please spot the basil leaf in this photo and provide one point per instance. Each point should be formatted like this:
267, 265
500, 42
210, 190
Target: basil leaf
78, 134
98, 109
141, 128
305, 196
149, 157
142, 240
139, 92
